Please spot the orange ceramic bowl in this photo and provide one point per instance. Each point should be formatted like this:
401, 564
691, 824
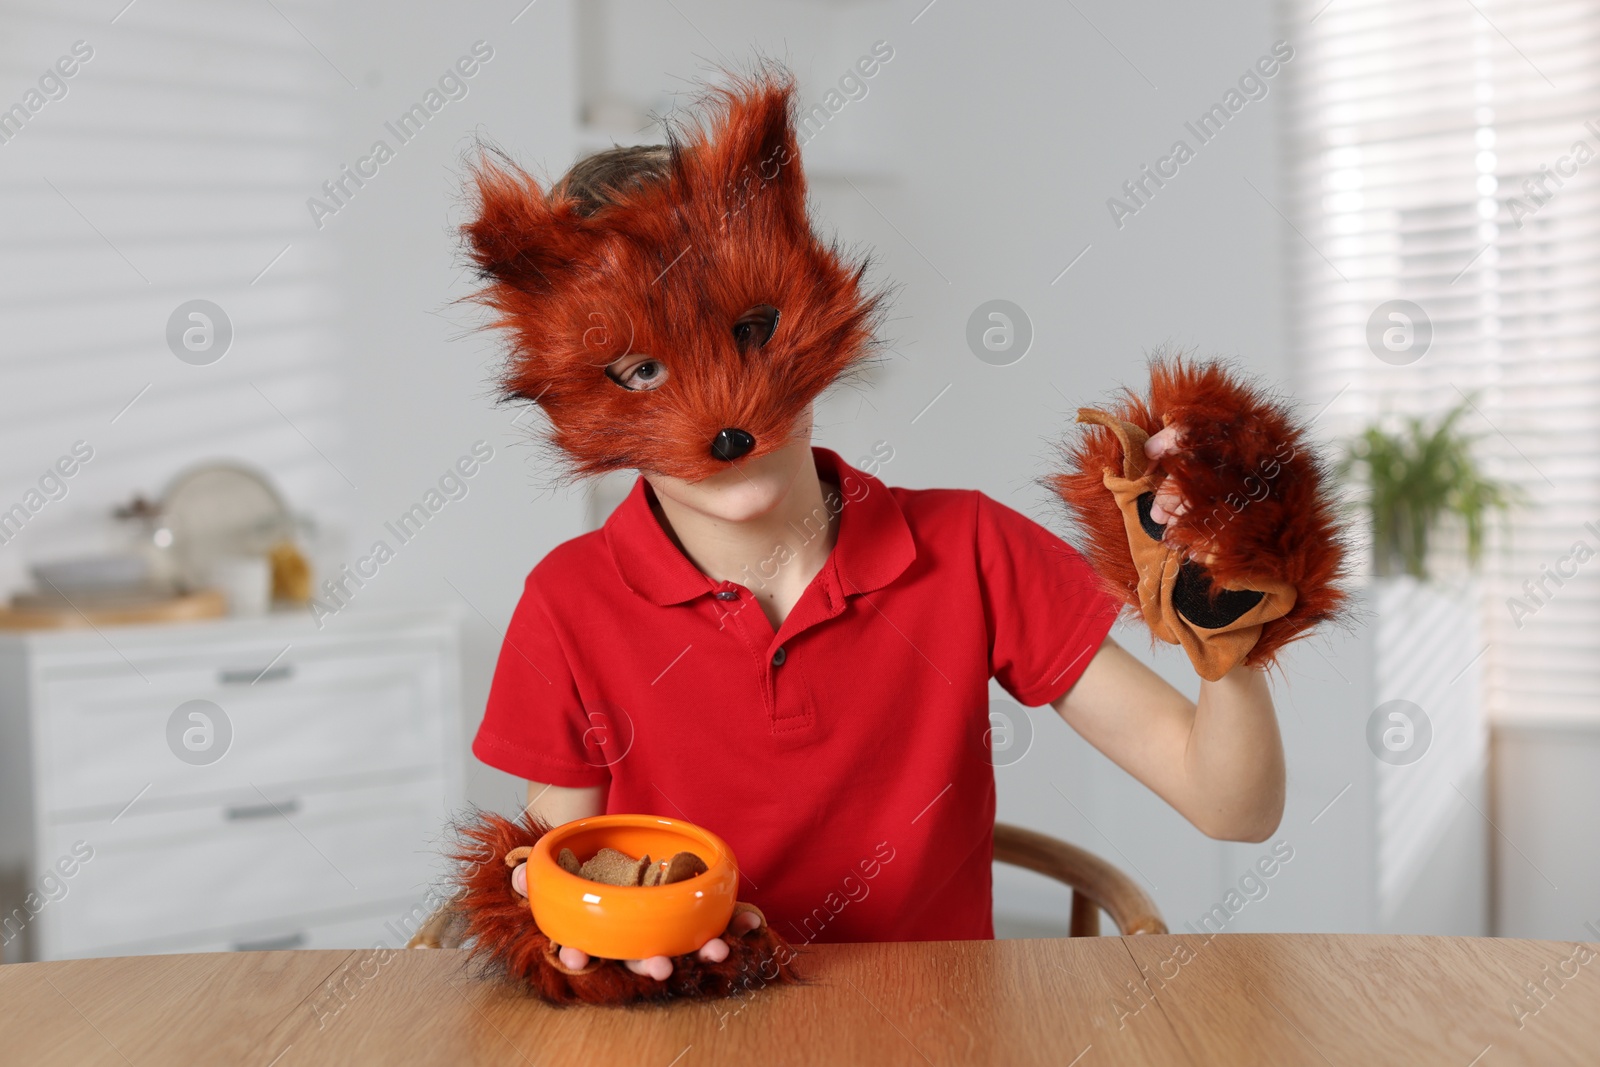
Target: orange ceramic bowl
632, 922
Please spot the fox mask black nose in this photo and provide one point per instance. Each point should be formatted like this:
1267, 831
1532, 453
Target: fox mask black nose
732, 443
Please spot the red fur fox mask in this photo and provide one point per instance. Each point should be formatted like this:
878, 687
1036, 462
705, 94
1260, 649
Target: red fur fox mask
727, 313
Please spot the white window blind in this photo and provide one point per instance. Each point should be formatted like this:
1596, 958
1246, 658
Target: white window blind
1421, 138
173, 164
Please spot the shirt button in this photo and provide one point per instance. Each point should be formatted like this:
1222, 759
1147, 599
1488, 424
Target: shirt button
779, 656
727, 594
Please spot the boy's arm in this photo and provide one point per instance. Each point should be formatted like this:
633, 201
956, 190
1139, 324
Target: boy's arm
1218, 762
557, 804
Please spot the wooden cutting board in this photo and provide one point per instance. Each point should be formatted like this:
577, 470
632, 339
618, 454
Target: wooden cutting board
205, 604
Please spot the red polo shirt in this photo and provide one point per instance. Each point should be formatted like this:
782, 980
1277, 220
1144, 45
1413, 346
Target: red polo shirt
845, 757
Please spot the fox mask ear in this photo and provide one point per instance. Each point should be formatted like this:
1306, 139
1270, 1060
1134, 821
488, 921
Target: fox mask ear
520, 236
528, 238
750, 154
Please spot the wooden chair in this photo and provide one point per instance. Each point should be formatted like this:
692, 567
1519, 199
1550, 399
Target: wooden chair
1096, 886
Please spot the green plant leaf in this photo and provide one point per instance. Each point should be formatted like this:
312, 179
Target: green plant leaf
1414, 479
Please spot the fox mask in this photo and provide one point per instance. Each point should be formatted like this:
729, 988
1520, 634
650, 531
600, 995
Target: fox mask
726, 311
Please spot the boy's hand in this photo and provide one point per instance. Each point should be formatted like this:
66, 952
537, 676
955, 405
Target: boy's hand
1168, 503
657, 967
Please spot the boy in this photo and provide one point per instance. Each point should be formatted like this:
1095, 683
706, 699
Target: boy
762, 638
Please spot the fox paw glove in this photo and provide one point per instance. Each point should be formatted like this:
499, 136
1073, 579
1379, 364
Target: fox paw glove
1254, 559
499, 932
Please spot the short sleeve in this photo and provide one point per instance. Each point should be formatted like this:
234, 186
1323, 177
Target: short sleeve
535, 725
1046, 610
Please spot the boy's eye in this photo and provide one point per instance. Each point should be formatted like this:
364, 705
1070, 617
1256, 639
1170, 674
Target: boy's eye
754, 328
639, 377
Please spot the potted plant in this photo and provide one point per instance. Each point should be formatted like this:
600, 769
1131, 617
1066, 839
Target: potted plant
1417, 479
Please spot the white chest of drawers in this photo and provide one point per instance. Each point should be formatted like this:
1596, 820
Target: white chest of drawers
238, 783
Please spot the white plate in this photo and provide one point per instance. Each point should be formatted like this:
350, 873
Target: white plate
221, 509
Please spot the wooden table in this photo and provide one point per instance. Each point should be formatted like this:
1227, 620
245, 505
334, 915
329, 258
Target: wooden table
1232, 999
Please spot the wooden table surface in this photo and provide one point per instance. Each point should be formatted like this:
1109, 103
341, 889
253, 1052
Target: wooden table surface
1231, 999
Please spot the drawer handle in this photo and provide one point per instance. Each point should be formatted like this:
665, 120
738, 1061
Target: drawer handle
268, 944
262, 811
275, 673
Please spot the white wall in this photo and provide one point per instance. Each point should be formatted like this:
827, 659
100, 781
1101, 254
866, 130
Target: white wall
420, 381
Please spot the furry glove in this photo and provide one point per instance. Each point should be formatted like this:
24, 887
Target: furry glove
1252, 562
497, 928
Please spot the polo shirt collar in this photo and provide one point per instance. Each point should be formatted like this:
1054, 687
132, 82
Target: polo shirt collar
873, 548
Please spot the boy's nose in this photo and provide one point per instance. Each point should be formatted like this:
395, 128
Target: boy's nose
730, 444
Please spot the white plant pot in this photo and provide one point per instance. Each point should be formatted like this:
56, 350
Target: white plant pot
1429, 736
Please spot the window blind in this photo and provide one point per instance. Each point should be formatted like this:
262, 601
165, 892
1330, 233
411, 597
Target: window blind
1447, 153
172, 164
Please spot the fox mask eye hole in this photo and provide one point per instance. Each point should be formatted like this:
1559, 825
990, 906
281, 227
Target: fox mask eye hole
640, 376
755, 327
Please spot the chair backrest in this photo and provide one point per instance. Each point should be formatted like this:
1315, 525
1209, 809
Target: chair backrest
1096, 884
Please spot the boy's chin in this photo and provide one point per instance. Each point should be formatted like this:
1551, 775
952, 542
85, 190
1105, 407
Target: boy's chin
742, 492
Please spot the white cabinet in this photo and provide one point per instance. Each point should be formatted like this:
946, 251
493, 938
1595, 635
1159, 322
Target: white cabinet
240, 783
